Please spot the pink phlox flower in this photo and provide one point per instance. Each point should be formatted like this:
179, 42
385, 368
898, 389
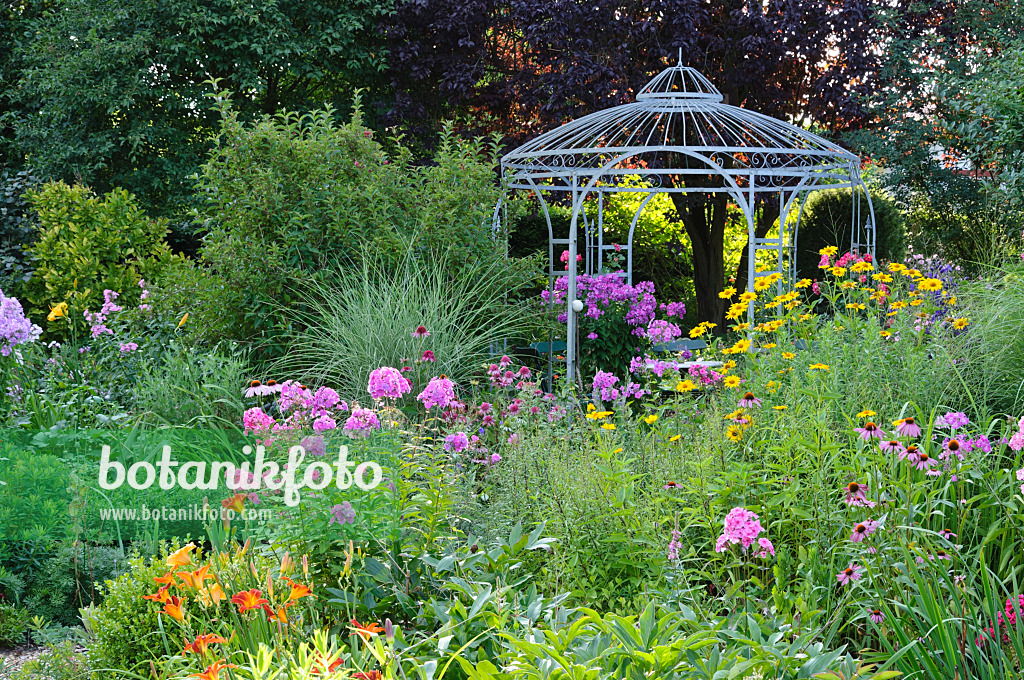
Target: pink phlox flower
388, 383
457, 442
255, 420
439, 392
362, 421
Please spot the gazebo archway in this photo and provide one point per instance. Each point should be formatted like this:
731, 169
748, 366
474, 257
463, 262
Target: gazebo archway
680, 137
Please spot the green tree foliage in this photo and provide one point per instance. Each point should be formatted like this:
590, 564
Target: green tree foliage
89, 243
291, 196
111, 91
941, 121
827, 222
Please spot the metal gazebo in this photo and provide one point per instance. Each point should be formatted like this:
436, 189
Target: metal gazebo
679, 129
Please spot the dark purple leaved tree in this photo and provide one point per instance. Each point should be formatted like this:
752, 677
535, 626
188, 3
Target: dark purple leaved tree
521, 67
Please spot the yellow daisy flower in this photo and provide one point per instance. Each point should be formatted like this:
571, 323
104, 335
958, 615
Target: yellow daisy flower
818, 367
731, 381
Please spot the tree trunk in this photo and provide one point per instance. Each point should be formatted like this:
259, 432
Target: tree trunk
704, 217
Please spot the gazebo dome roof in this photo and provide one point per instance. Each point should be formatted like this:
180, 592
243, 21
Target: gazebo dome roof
681, 112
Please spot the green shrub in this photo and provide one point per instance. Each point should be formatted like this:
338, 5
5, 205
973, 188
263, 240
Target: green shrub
126, 632
18, 227
87, 244
67, 581
293, 195
827, 221
13, 625
364, 319
60, 662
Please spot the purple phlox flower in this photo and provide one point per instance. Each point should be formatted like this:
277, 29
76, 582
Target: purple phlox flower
604, 384
677, 309
322, 401
662, 331
438, 392
388, 383
324, 423
292, 394
456, 442
954, 420
361, 421
766, 548
128, 347
592, 335
982, 443
314, 445
343, 513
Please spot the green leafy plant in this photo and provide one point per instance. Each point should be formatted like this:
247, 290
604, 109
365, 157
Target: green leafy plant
87, 244
13, 624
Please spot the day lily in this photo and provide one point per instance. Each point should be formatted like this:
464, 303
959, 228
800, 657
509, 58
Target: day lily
201, 644
173, 608
167, 578
212, 671
298, 590
249, 599
180, 557
280, 615
236, 503
160, 596
195, 579
58, 311
367, 631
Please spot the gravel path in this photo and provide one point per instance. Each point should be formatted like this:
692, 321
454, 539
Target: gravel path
15, 658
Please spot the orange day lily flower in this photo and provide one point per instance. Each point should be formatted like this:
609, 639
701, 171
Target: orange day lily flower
212, 671
201, 644
367, 675
236, 503
367, 631
280, 615
173, 608
249, 599
298, 590
216, 593
160, 596
167, 578
181, 558
195, 578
